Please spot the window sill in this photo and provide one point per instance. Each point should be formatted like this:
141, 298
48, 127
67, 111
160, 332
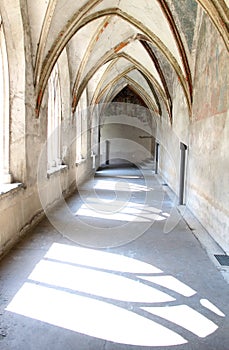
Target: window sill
6, 189
56, 170
80, 161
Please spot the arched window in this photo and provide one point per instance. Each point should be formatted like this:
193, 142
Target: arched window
5, 176
78, 134
54, 120
81, 128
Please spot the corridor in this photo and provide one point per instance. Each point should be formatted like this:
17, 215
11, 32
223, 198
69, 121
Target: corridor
113, 267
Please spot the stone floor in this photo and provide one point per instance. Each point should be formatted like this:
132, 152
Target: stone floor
116, 267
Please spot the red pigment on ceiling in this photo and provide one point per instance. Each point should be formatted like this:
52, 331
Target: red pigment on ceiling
102, 30
121, 46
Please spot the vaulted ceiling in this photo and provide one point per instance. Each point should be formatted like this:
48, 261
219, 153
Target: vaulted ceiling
112, 44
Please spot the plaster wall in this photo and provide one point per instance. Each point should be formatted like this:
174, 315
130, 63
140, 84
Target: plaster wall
170, 135
22, 205
129, 127
208, 176
125, 142
205, 133
168, 154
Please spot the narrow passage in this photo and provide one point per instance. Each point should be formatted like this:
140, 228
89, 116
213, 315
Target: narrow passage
114, 267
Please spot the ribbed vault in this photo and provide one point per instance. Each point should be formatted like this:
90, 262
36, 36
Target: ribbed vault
115, 43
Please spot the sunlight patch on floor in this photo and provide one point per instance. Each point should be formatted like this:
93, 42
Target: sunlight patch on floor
99, 259
172, 283
185, 317
119, 211
91, 317
206, 303
97, 283
77, 288
120, 186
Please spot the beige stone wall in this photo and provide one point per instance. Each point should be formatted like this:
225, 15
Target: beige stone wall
205, 133
23, 206
208, 176
130, 130
125, 142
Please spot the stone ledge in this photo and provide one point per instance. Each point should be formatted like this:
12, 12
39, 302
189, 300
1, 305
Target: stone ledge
56, 170
80, 161
7, 189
